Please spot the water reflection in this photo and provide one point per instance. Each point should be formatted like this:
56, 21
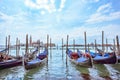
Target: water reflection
29, 74
12, 73
56, 69
102, 70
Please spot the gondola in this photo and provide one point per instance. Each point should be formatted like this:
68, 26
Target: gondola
79, 58
7, 61
10, 63
106, 58
36, 62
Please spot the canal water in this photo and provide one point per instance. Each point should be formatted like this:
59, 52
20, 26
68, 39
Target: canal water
57, 69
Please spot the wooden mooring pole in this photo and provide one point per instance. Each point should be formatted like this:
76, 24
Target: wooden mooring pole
62, 48
106, 45
47, 42
74, 45
88, 47
39, 46
95, 46
67, 48
114, 47
85, 41
17, 47
30, 40
118, 48
6, 45
50, 48
47, 48
103, 41
26, 49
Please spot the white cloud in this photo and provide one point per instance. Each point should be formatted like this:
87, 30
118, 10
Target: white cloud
45, 4
30, 4
104, 8
93, 33
77, 33
42, 12
13, 23
96, 0
5, 17
115, 15
50, 21
72, 14
97, 17
42, 4
39, 2
103, 13
90, 1
62, 5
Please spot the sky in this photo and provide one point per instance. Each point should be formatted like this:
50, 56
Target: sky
60, 18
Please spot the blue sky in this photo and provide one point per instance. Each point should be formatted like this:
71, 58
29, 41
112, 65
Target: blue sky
59, 18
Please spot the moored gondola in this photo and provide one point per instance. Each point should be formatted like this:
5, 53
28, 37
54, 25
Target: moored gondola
106, 58
37, 61
80, 59
7, 61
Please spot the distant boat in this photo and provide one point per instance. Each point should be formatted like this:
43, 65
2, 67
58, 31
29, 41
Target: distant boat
79, 58
36, 62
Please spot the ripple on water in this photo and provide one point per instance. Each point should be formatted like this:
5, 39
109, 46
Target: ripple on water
93, 72
114, 74
58, 70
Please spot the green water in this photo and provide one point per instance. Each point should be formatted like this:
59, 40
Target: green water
57, 69
102, 70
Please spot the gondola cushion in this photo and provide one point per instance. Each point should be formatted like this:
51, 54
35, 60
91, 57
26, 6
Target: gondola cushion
34, 61
81, 59
74, 56
100, 57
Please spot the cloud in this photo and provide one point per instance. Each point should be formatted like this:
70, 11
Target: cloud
5, 17
77, 33
30, 4
44, 4
103, 13
12, 18
97, 17
13, 23
62, 5
96, 0
104, 8
59, 24
90, 1
110, 32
